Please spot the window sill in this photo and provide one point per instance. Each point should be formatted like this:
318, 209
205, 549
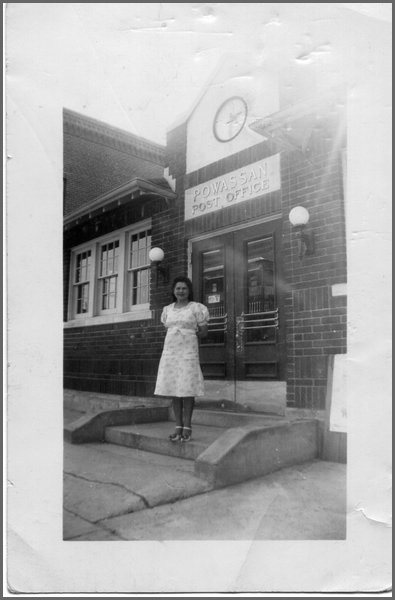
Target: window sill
140, 315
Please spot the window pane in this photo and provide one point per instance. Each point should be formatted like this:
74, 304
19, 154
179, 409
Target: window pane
213, 282
82, 298
82, 266
104, 303
260, 289
140, 245
142, 257
109, 293
140, 286
116, 256
213, 294
109, 258
85, 265
113, 285
103, 260
143, 286
139, 281
133, 251
260, 257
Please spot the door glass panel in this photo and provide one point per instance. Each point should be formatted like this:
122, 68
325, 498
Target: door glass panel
213, 279
260, 317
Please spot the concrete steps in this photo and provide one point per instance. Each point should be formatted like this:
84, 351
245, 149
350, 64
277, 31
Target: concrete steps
243, 447
208, 426
154, 437
227, 447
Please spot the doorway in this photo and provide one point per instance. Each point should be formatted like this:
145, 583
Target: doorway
237, 275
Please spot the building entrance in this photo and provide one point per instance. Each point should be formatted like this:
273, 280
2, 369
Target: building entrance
236, 275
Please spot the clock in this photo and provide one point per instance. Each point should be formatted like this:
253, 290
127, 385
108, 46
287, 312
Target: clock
229, 119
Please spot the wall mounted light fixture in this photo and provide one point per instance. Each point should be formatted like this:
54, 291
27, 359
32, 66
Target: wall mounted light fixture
156, 255
299, 217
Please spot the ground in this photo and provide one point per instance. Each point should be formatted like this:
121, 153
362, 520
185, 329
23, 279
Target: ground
118, 493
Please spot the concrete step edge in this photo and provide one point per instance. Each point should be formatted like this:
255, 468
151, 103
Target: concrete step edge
157, 445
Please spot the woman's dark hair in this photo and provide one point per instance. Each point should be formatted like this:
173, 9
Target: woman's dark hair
182, 280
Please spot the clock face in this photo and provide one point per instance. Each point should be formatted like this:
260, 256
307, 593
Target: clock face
229, 119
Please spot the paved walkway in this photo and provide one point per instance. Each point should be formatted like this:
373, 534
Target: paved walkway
117, 493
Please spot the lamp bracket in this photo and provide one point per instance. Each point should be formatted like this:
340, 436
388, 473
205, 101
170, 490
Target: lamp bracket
306, 242
160, 272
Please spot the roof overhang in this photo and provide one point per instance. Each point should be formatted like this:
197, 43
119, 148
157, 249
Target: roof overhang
295, 122
136, 190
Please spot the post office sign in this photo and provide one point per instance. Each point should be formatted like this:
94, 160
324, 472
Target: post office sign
249, 182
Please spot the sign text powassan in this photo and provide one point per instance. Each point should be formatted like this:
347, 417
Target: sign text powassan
237, 186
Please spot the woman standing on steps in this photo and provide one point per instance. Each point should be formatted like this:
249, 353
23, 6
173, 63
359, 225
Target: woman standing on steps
179, 373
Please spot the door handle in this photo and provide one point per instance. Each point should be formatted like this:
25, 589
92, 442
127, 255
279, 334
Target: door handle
218, 323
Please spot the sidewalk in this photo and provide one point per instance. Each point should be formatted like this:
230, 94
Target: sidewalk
118, 493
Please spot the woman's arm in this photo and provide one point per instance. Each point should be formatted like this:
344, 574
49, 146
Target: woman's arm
163, 317
202, 331
202, 317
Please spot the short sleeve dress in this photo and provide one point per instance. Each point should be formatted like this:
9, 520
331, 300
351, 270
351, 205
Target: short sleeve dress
179, 372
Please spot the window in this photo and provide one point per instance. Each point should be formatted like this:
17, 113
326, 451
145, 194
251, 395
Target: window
81, 282
110, 277
139, 269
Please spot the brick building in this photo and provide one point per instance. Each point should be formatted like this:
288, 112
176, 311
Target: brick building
217, 201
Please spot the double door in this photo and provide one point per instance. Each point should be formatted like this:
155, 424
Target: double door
236, 275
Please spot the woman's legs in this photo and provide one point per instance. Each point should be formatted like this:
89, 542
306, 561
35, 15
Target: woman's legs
183, 409
177, 409
188, 410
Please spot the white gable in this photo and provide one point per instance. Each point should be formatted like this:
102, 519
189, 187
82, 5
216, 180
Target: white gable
236, 77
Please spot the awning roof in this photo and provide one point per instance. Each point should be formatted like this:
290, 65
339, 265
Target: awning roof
135, 190
292, 125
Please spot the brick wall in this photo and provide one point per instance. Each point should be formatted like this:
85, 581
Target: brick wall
176, 156
316, 321
117, 359
98, 158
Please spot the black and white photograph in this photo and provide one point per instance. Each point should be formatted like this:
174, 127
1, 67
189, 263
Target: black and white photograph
198, 297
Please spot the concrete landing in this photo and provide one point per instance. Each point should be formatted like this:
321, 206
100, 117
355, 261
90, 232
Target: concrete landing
154, 437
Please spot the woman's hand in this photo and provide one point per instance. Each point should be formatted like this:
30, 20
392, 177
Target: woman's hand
202, 331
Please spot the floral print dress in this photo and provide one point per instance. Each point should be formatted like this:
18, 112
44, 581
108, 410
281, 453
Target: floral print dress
179, 373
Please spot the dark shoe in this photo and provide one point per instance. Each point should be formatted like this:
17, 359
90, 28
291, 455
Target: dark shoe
177, 436
186, 434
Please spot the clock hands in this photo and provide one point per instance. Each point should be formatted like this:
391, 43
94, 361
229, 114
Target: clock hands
234, 118
229, 119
